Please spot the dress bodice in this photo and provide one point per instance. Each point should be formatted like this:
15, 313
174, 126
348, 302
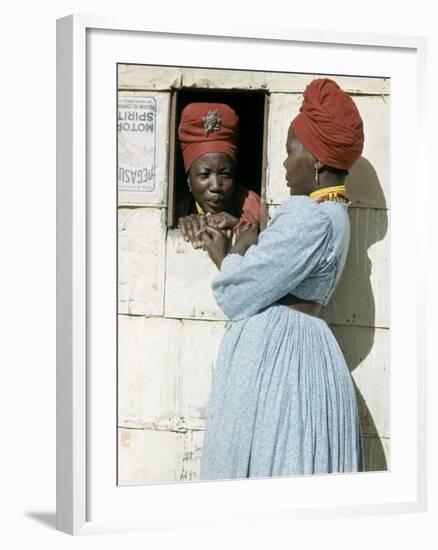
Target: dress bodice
302, 252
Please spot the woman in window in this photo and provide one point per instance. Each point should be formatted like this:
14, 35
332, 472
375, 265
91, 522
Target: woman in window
282, 400
208, 134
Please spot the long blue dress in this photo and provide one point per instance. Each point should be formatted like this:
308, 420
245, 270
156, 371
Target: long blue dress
282, 400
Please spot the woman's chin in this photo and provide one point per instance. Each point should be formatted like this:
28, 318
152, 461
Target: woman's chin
213, 207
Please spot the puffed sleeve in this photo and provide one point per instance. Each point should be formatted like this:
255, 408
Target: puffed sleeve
291, 248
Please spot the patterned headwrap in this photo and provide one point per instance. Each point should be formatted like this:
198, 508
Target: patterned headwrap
207, 128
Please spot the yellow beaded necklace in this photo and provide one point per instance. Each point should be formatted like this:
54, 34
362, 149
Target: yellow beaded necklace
336, 193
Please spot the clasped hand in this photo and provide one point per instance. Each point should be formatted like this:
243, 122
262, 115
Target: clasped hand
218, 243
191, 225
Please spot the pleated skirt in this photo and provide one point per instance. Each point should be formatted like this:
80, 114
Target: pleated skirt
282, 401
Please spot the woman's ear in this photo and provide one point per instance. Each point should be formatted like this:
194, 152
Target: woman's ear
188, 183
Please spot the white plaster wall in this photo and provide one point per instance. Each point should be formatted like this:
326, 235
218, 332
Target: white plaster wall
189, 273
165, 372
141, 270
169, 324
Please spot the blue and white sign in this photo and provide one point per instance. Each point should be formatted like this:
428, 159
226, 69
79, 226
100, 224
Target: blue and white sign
136, 128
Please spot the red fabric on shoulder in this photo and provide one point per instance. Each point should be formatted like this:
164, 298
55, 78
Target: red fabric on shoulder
249, 204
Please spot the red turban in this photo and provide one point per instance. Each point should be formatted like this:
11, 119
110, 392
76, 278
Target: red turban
207, 128
329, 124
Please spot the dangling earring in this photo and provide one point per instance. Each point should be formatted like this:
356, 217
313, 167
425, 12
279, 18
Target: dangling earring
317, 177
190, 187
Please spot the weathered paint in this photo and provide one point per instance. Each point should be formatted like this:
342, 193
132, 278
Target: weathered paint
296, 83
136, 131
149, 456
366, 351
362, 295
191, 464
135, 152
200, 344
165, 370
148, 77
148, 363
368, 181
189, 273
141, 247
283, 108
144, 77
276, 82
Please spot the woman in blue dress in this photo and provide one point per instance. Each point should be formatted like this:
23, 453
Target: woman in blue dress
282, 401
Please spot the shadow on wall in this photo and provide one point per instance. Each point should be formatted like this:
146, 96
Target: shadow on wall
355, 313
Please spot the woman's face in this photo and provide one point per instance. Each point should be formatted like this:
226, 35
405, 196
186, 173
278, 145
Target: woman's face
300, 166
211, 178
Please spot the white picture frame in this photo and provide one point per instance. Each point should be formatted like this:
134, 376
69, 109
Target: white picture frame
88, 500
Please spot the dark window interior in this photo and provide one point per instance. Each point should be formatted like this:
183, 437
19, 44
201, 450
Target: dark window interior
250, 108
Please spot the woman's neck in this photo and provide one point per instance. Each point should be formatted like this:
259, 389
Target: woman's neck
328, 179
